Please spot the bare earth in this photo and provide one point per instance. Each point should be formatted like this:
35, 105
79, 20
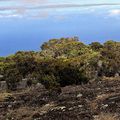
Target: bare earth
99, 100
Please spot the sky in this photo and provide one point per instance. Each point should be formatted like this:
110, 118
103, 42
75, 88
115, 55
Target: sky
26, 24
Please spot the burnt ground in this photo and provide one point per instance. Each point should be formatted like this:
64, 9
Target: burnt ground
84, 102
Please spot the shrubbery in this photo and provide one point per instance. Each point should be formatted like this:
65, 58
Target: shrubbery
62, 62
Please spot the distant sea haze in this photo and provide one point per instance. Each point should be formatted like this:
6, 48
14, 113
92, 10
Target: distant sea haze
26, 25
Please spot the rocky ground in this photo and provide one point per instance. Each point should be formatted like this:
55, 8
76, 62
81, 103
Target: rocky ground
99, 100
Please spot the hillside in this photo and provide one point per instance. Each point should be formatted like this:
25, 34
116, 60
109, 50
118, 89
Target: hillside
99, 100
65, 80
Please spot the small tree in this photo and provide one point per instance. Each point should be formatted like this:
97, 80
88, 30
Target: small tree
96, 46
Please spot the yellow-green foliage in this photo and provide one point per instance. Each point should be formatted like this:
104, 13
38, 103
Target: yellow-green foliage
62, 62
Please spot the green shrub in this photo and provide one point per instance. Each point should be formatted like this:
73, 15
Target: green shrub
49, 81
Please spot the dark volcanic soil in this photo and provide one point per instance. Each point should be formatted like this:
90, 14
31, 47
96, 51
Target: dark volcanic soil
85, 102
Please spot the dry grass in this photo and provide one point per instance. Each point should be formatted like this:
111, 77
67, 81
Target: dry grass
106, 116
26, 113
4, 95
94, 103
23, 113
111, 78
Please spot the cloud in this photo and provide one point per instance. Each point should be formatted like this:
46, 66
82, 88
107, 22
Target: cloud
33, 2
115, 12
43, 14
43, 8
52, 6
10, 16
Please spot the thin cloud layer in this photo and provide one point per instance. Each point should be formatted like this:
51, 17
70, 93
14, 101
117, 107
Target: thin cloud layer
42, 8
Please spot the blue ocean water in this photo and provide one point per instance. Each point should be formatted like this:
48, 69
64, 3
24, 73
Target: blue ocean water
26, 25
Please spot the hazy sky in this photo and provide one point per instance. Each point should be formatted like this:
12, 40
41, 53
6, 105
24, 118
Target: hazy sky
26, 24
41, 8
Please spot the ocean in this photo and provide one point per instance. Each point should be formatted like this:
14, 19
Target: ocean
28, 24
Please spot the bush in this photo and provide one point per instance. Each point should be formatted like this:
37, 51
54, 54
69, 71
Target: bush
49, 81
69, 75
60, 73
12, 76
